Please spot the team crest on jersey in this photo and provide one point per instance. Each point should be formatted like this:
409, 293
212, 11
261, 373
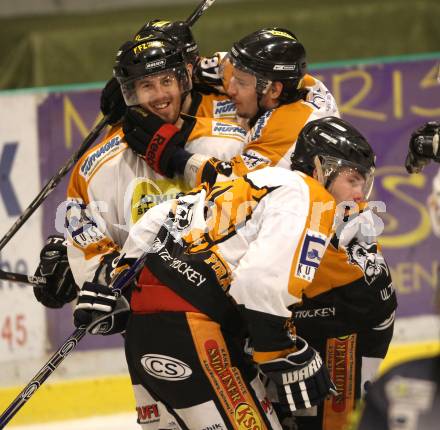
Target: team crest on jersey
226, 129
368, 259
91, 162
224, 109
257, 129
310, 256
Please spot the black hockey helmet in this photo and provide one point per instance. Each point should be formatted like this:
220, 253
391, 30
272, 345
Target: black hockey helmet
145, 57
272, 54
178, 30
330, 144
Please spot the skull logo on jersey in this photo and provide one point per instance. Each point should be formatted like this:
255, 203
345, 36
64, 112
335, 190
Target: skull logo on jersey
366, 256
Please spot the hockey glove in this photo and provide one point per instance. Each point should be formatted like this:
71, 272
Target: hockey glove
112, 101
153, 138
60, 288
100, 310
424, 146
207, 71
301, 378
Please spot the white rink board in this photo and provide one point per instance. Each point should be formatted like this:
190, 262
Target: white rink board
104, 422
22, 318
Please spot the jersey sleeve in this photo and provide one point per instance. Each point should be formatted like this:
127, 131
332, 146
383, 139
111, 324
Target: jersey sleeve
279, 264
90, 216
320, 97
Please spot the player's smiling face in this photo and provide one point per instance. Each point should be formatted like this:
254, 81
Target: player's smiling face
242, 91
160, 94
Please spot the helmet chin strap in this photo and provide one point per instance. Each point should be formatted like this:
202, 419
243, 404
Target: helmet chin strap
319, 171
260, 93
185, 95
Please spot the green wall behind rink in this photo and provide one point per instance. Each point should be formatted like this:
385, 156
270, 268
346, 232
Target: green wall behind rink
80, 48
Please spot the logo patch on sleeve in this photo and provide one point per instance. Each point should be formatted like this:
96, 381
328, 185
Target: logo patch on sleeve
310, 255
230, 130
92, 161
224, 109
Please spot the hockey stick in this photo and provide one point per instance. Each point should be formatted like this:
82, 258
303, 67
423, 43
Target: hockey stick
53, 182
36, 281
66, 348
199, 11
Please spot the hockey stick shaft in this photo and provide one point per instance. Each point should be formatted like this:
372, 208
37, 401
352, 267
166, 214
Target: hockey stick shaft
199, 11
41, 376
36, 281
66, 348
53, 182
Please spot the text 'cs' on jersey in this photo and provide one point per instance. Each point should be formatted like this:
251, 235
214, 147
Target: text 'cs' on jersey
165, 367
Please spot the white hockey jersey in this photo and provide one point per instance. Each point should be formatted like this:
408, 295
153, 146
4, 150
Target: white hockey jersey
259, 239
111, 187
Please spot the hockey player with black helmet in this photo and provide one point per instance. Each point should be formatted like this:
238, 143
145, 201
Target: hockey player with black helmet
255, 242
113, 184
112, 100
347, 312
266, 87
207, 100
266, 258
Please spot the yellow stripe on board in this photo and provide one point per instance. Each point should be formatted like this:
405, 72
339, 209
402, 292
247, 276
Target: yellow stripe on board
113, 394
408, 351
77, 398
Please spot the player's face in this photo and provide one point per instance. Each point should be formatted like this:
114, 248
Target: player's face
348, 186
160, 94
242, 91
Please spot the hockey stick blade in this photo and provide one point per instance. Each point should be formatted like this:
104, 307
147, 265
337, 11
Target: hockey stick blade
119, 283
54, 181
36, 281
199, 11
